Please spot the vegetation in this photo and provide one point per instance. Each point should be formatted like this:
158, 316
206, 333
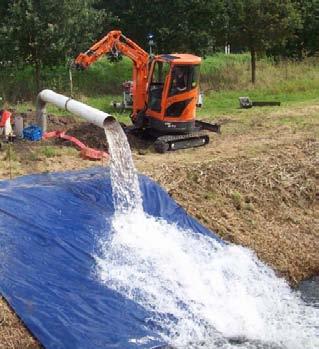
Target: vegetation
49, 151
305, 42
224, 78
17, 84
46, 32
41, 38
259, 25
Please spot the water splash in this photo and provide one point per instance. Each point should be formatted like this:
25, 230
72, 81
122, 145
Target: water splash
202, 291
201, 294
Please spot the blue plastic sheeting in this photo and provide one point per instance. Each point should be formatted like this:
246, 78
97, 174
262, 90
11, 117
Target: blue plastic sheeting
49, 228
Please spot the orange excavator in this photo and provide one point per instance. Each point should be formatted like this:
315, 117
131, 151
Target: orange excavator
165, 92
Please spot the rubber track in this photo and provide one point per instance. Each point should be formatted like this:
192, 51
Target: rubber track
174, 138
179, 140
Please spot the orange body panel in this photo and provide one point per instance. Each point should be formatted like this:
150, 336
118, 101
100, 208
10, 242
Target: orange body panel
180, 58
189, 113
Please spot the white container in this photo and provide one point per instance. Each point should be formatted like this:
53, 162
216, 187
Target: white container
200, 100
18, 126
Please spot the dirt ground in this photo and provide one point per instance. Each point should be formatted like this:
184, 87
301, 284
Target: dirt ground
254, 185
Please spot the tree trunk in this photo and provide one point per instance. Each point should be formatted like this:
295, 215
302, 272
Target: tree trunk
253, 65
37, 70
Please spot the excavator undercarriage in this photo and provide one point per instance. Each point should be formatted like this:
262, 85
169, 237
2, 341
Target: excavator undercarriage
169, 142
197, 138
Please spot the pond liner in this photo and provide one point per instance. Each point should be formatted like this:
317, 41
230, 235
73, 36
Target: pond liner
50, 225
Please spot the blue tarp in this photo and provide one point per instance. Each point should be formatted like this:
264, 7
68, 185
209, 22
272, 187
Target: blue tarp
49, 228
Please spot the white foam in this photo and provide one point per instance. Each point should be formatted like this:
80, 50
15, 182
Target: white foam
212, 291
196, 289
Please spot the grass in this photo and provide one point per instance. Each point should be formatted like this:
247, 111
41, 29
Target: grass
10, 154
223, 102
49, 152
102, 78
237, 199
219, 61
287, 82
224, 78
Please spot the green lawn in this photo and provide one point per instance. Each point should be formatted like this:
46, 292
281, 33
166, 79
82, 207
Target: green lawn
224, 78
225, 102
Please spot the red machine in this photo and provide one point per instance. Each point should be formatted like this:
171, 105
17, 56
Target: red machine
127, 102
5, 123
165, 90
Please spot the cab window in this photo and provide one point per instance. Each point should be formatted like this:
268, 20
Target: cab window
184, 78
160, 72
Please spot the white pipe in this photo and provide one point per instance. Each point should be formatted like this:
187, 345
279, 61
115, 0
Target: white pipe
95, 116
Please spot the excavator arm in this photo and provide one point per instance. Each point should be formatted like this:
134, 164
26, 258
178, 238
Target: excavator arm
115, 42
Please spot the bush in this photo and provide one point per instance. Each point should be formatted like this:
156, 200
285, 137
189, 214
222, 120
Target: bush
103, 77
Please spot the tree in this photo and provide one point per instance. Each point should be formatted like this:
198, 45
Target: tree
261, 24
306, 39
184, 26
4, 44
46, 32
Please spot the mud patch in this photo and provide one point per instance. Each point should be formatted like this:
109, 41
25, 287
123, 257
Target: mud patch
91, 135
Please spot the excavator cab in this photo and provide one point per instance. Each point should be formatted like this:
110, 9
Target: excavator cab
172, 93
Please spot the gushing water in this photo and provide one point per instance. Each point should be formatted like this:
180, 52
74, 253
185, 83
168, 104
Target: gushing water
201, 293
125, 187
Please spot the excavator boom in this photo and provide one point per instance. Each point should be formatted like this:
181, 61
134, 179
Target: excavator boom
115, 42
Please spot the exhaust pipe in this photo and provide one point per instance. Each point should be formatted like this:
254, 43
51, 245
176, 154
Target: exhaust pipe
92, 115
